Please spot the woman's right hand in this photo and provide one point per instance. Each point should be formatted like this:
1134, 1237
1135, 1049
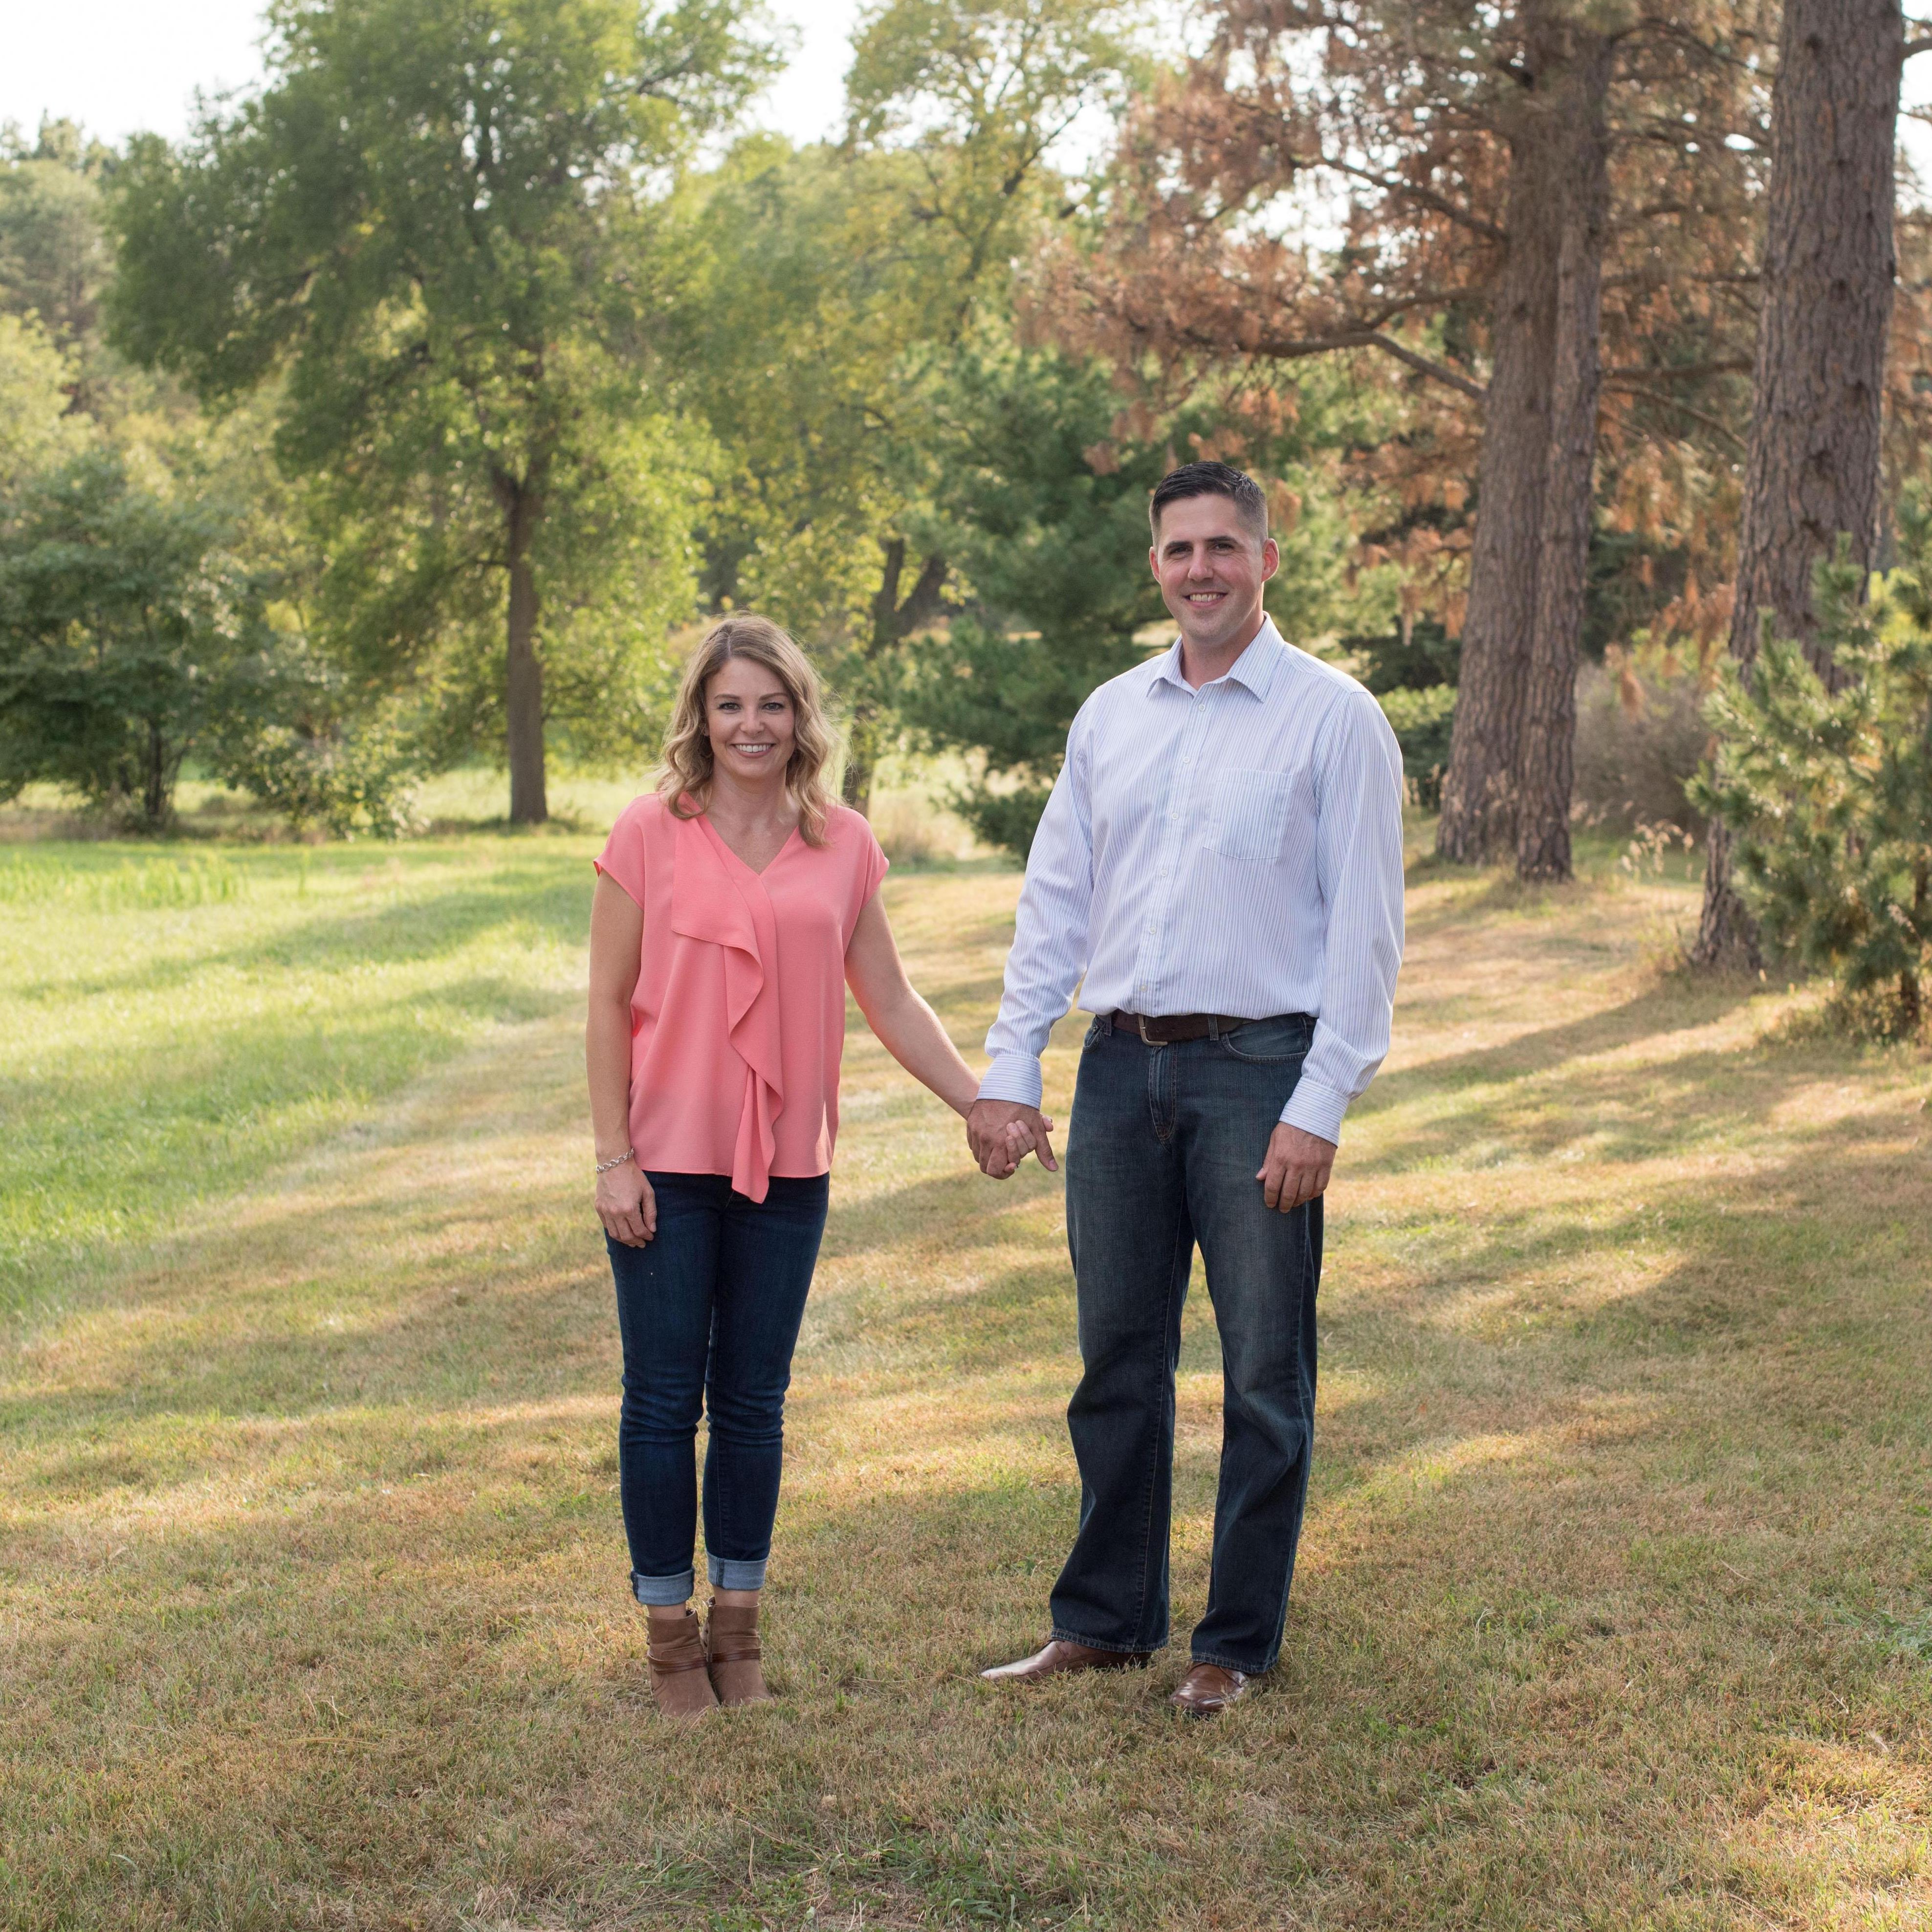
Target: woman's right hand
626, 1206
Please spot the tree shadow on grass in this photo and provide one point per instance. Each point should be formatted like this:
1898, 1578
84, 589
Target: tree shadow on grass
430, 925
1536, 1107
1654, 1014
959, 1210
1543, 1576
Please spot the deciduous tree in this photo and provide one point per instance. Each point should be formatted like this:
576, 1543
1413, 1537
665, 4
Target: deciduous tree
436, 224
125, 621
845, 287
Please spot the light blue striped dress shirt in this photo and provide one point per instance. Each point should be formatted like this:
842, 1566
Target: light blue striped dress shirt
1235, 849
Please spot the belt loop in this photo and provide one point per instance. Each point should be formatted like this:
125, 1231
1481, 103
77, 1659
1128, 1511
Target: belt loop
1213, 1026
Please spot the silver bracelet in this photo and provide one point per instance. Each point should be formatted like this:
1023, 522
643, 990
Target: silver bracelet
605, 1166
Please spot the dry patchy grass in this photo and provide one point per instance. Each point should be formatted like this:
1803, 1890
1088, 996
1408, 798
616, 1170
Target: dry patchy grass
1612, 1606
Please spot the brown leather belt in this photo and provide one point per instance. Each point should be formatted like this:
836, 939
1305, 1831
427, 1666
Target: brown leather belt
1169, 1029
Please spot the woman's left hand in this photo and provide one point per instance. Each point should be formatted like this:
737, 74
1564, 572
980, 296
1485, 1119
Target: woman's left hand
626, 1206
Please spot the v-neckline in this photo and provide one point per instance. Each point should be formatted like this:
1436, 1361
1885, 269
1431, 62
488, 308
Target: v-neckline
724, 845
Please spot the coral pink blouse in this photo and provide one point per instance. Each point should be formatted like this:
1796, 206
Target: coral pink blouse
738, 1021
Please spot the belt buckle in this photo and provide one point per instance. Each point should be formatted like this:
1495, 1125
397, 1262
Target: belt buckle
1140, 1020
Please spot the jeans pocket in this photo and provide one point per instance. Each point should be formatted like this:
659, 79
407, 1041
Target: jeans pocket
1268, 1042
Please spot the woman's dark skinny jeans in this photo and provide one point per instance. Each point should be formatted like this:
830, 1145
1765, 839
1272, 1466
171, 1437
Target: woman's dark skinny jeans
709, 1310
1162, 1156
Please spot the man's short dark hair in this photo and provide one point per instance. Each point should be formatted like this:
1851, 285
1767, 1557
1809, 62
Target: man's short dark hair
1211, 479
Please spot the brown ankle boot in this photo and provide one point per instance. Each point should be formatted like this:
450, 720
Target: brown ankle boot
736, 1672
678, 1683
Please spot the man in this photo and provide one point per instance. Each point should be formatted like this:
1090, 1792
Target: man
1222, 858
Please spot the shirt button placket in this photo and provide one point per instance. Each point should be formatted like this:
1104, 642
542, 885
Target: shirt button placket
1183, 785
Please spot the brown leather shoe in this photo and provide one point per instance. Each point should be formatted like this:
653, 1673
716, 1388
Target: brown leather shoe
737, 1674
679, 1683
1209, 1687
1060, 1656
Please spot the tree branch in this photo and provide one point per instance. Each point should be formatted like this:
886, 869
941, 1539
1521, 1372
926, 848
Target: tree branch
1294, 349
1426, 197
1682, 372
1684, 409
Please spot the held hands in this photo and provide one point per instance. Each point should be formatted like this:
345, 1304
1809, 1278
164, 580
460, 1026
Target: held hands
1297, 1168
626, 1206
1002, 1133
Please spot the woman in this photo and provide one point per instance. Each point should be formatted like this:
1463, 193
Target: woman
733, 909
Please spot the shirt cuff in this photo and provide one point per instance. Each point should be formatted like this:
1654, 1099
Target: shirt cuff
1013, 1076
1317, 1108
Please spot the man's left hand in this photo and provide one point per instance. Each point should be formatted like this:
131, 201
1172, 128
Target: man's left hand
1297, 1168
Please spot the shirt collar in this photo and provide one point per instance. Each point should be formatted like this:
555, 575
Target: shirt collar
1253, 670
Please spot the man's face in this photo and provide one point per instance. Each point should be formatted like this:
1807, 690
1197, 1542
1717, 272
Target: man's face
1211, 567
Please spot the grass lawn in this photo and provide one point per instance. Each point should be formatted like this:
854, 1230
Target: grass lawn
1615, 1603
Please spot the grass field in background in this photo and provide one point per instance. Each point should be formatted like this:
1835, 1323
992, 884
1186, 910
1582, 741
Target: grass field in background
1612, 1608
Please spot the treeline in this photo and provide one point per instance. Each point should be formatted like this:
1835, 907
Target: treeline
410, 407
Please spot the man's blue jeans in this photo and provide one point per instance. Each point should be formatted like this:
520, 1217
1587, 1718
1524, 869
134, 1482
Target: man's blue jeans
1162, 1154
710, 1311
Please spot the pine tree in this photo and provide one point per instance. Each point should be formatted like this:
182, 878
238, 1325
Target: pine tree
1823, 778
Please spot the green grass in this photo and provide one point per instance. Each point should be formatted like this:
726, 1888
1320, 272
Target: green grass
1611, 1607
174, 1021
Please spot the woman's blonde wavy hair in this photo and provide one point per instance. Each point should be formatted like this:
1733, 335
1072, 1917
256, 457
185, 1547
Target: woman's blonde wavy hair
688, 767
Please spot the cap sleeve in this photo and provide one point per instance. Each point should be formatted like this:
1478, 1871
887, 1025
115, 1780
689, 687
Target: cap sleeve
622, 857
870, 866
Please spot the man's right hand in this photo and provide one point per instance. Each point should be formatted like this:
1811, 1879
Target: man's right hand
1002, 1133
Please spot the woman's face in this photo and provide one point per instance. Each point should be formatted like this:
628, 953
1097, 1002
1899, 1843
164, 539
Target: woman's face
748, 719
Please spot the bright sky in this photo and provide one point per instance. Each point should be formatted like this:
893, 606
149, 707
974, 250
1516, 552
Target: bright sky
119, 67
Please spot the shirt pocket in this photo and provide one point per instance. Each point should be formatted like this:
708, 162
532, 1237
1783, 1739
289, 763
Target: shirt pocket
1250, 814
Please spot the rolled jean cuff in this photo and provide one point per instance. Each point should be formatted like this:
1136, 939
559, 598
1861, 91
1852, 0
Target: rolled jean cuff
664, 1592
730, 1573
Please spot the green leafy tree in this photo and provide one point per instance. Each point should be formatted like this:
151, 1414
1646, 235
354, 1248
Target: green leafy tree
35, 427
438, 226
54, 256
125, 623
1041, 502
1828, 793
841, 290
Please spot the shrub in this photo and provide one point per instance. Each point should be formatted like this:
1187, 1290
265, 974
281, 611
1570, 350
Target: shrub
1829, 793
1421, 720
1641, 735
299, 742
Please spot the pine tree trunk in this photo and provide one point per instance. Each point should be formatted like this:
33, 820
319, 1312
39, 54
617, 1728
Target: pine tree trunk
1550, 701
522, 688
1478, 820
1812, 471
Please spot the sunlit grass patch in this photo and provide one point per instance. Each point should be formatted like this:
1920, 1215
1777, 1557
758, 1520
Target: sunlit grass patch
173, 1023
312, 1607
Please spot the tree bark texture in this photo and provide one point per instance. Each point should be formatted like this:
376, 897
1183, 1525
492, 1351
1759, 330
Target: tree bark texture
1812, 469
1549, 699
1478, 820
523, 689
155, 787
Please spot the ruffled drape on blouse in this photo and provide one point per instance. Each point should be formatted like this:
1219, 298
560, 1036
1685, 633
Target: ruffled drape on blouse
717, 899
